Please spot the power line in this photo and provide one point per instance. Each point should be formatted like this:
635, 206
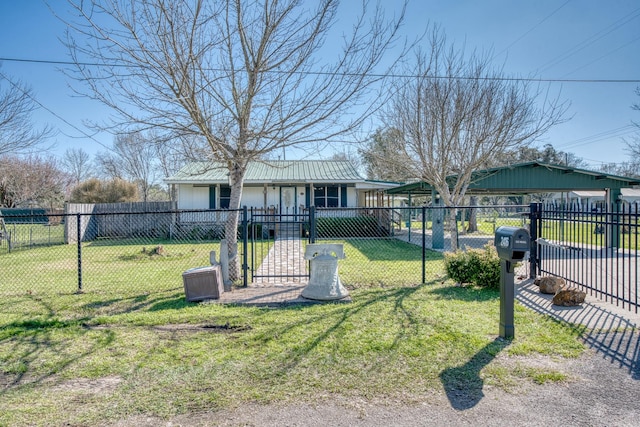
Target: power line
618, 132
590, 40
27, 94
320, 73
530, 30
603, 56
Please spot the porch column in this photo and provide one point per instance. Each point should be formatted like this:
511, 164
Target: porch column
265, 190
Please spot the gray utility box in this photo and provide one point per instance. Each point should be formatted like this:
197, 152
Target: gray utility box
203, 283
512, 243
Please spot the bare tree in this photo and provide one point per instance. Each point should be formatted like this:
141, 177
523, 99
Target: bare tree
32, 180
172, 155
247, 76
628, 169
77, 163
633, 144
132, 158
458, 112
17, 133
383, 145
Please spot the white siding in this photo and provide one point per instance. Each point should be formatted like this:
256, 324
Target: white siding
273, 196
352, 198
252, 197
302, 197
190, 197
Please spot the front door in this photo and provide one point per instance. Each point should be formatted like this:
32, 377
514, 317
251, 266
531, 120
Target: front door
288, 200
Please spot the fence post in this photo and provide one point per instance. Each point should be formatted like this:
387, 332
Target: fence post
245, 233
312, 224
424, 244
616, 221
253, 240
79, 243
535, 211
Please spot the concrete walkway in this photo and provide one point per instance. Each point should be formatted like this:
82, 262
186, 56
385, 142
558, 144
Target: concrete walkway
611, 331
284, 262
594, 314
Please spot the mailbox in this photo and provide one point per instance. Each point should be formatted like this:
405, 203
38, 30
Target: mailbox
512, 243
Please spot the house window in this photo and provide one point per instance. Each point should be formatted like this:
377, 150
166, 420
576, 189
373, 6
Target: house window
326, 197
225, 197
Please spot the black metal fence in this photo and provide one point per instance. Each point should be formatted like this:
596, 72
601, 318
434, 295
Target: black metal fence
596, 250
142, 252
136, 253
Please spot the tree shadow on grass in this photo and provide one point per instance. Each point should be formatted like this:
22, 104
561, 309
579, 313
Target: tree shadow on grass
341, 314
165, 300
463, 384
35, 340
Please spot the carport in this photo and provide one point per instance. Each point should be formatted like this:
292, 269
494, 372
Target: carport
525, 178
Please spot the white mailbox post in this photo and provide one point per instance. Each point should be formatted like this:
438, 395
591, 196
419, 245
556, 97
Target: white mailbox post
324, 282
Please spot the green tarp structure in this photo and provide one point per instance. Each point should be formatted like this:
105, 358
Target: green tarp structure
24, 216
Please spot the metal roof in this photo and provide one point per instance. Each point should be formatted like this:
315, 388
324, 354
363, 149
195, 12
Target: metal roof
530, 177
281, 171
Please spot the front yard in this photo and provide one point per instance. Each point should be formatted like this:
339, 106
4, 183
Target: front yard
87, 360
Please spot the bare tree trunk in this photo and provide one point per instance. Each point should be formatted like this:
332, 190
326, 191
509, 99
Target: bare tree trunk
473, 215
453, 228
236, 181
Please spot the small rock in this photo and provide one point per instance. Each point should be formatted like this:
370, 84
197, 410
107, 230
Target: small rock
550, 285
569, 297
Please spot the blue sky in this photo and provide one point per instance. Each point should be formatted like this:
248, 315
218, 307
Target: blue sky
549, 39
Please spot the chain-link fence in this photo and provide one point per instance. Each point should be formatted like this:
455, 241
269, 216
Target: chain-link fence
398, 246
143, 252
110, 253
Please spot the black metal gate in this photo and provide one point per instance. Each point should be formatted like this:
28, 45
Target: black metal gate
596, 250
278, 242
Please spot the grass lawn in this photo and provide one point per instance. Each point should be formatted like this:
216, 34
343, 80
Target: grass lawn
385, 261
128, 266
84, 360
590, 232
131, 345
29, 235
108, 266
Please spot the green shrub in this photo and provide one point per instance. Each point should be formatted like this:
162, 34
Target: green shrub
480, 267
457, 265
